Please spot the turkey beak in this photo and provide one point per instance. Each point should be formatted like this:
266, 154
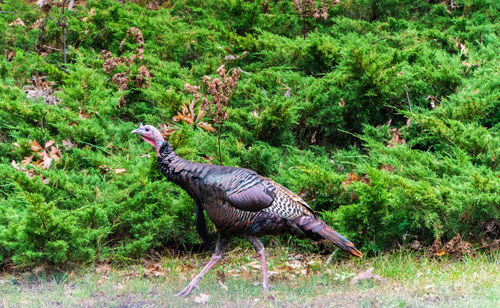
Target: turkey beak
136, 131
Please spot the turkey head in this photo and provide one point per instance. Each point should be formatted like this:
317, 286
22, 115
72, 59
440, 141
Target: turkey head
151, 135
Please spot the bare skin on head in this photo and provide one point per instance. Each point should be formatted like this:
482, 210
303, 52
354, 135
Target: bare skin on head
151, 135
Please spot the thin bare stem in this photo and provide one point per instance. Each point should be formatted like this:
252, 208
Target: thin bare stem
43, 125
220, 130
408, 98
41, 38
63, 26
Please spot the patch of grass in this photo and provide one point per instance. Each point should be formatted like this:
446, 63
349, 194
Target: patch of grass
297, 280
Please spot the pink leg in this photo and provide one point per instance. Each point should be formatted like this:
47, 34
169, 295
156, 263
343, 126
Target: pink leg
262, 254
259, 247
193, 284
219, 252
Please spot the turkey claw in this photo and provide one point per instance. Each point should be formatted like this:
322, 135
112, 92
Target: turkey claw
187, 290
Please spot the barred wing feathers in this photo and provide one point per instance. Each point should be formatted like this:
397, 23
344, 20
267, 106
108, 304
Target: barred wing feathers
253, 192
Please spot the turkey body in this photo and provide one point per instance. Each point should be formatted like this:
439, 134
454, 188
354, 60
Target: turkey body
242, 203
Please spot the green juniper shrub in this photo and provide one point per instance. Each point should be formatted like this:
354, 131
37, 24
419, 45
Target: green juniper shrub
327, 115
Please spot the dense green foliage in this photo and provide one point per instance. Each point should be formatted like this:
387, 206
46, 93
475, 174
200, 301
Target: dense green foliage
324, 115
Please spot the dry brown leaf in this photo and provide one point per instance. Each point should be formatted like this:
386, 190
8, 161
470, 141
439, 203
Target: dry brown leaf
16, 144
221, 276
458, 248
191, 109
28, 172
184, 116
461, 47
387, 168
27, 160
84, 115
313, 137
208, 159
37, 23
17, 22
48, 144
154, 270
16, 166
120, 170
408, 122
440, 253
396, 138
351, 177
366, 275
68, 144
35, 147
166, 129
103, 268
46, 160
206, 126
106, 168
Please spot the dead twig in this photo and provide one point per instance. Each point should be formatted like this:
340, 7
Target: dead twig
43, 125
380, 39
63, 28
51, 48
408, 98
45, 6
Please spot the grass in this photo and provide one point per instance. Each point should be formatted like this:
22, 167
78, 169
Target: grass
409, 280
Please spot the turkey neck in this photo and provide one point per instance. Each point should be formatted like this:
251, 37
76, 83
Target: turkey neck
186, 174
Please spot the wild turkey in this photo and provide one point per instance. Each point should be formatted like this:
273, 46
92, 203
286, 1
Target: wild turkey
239, 202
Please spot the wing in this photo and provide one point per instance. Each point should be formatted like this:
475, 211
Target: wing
252, 193
256, 193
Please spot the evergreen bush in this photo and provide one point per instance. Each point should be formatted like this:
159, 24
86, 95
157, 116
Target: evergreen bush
384, 117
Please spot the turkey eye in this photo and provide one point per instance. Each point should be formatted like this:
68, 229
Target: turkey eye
147, 129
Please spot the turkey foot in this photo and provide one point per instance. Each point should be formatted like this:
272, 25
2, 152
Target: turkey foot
219, 252
187, 290
193, 284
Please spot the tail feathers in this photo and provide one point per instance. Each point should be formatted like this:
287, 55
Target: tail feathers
316, 226
340, 241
